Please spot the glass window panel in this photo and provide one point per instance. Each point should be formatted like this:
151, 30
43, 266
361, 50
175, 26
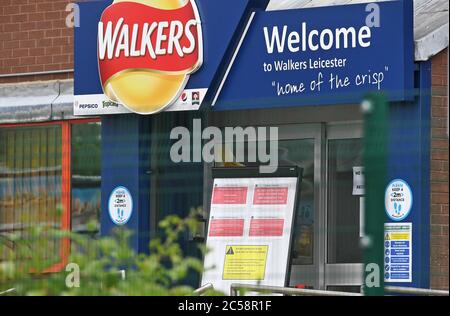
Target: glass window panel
343, 206
30, 181
300, 152
86, 176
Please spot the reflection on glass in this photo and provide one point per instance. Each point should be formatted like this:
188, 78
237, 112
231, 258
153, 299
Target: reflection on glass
300, 152
30, 180
86, 176
296, 152
343, 206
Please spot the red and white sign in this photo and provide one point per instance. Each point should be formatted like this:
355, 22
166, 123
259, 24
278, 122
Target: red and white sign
147, 52
226, 227
269, 227
230, 195
137, 36
270, 196
256, 213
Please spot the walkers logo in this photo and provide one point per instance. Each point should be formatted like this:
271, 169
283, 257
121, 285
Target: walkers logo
146, 51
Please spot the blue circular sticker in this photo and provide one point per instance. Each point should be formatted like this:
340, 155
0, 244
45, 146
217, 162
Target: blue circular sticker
120, 205
398, 200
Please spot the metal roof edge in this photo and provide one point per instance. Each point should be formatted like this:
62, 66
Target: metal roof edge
431, 44
36, 101
62, 106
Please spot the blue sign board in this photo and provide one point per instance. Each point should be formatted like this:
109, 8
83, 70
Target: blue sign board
324, 55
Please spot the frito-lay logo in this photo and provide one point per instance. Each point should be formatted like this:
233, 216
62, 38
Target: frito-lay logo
146, 51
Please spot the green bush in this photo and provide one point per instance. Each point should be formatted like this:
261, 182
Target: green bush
99, 261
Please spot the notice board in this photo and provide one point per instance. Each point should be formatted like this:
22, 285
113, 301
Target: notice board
250, 227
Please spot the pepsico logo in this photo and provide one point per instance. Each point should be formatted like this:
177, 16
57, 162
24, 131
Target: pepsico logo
146, 51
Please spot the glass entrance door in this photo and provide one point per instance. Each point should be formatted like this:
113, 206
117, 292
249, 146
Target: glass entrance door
344, 209
300, 145
325, 250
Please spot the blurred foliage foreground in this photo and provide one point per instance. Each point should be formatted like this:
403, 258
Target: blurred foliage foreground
94, 264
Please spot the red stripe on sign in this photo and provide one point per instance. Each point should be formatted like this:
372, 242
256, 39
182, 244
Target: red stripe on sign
137, 36
226, 227
266, 227
229, 195
270, 196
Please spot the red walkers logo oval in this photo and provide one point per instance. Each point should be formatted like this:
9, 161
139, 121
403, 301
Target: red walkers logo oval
146, 51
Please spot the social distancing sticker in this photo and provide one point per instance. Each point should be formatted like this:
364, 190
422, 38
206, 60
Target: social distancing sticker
245, 262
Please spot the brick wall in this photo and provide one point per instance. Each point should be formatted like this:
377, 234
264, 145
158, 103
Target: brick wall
34, 38
439, 172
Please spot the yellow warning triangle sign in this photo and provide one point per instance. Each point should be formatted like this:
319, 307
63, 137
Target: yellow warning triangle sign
387, 237
230, 251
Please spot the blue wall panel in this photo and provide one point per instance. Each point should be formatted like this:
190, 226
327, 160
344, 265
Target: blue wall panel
126, 162
409, 159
